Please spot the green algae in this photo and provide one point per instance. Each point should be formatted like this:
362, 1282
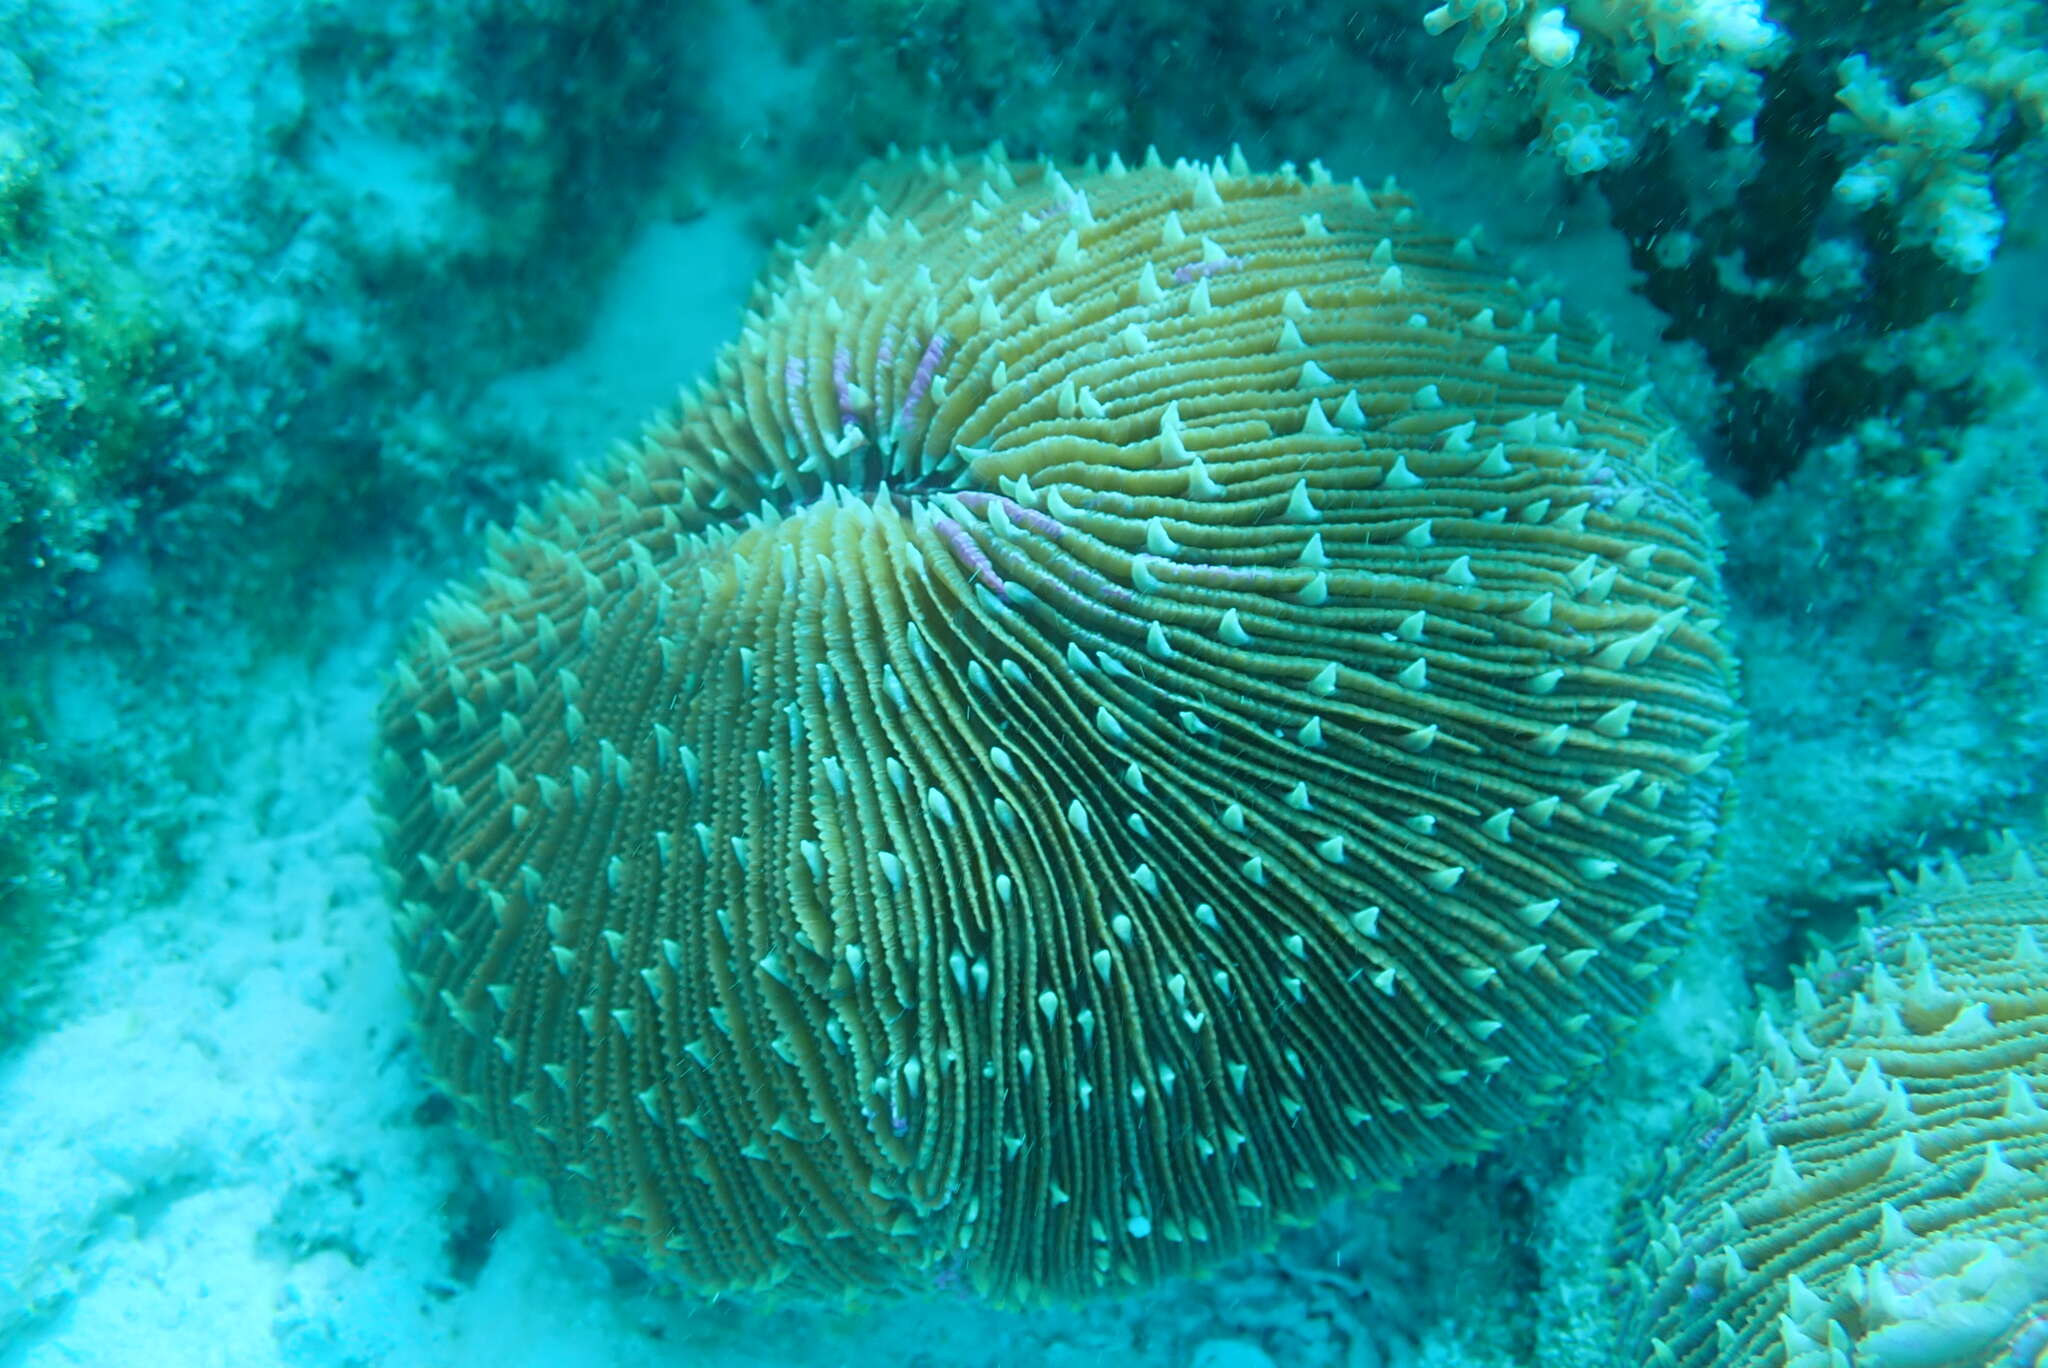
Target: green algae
82, 356
28, 878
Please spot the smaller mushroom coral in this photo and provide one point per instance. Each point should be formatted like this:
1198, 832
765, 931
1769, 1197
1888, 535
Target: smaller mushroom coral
1868, 1184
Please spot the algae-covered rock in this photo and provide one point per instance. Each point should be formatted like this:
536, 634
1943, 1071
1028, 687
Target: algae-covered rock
82, 353
26, 878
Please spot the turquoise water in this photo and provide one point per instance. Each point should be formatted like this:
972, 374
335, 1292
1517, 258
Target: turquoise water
295, 299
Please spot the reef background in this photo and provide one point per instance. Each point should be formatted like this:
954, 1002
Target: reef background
296, 296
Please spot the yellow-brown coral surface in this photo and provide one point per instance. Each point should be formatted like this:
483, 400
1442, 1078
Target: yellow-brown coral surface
1869, 1184
1135, 700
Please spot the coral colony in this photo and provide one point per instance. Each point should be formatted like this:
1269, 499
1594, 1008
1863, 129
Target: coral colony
1215, 699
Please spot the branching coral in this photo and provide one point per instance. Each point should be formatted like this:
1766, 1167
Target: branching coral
1565, 66
1934, 156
